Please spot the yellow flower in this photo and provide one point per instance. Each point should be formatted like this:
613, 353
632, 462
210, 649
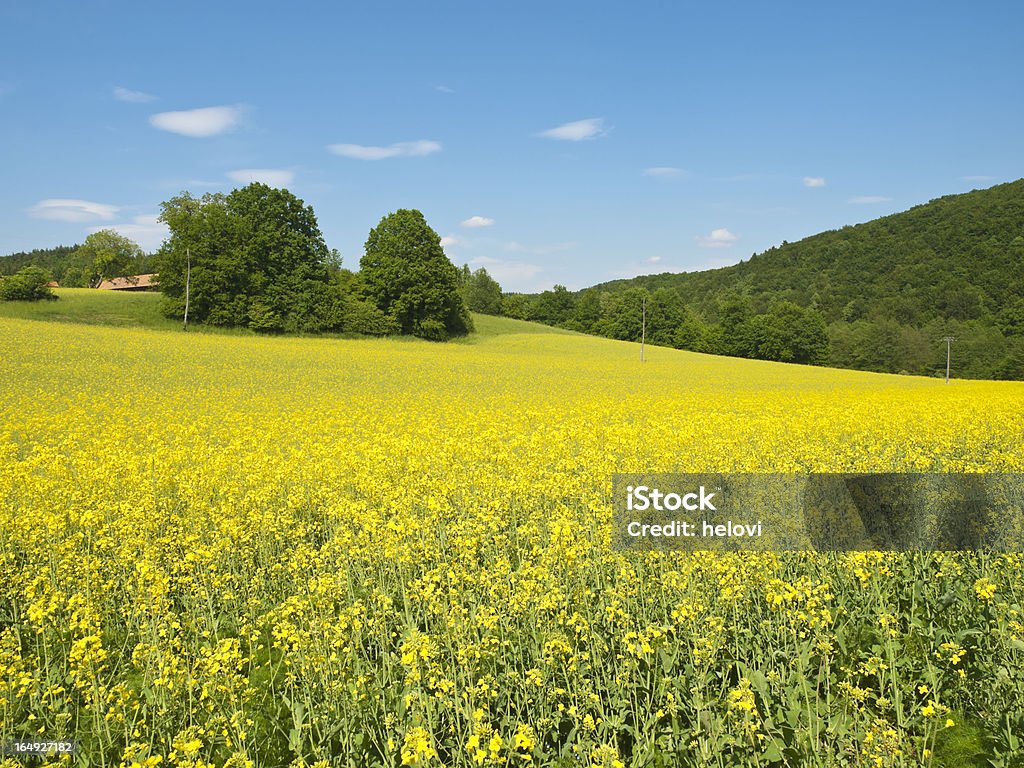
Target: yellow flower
984, 589
417, 748
524, 738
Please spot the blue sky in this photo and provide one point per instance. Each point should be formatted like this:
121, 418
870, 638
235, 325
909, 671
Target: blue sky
562, 142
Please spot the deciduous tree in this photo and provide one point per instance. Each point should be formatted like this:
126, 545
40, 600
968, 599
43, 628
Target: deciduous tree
257, 258
407, 275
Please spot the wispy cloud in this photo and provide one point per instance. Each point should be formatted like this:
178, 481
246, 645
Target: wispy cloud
719, 238
868, 199
198, 123
444, 89
814, 181
539, 250
580, 130
663, 172
450, 240
399, 149
653, 260
148, 231
62, 209
978, 178
135, 97
475, 222
270, 176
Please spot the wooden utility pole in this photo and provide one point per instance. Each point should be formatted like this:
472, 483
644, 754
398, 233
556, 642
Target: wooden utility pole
643, 327
949, 340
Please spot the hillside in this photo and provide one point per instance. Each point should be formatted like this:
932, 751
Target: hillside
57, 260
959, 257
886, 291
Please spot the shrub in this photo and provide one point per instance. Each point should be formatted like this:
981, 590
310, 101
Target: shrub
28, 284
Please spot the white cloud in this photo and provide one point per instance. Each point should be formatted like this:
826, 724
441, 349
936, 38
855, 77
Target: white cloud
814, 181
148, 231
444, 89
653, 260
269, 176
663, 172
198, 123
60, 209
399, 149
719, 238
978, 178
475, 222
135, 97
448, 240
578, 131
868, 199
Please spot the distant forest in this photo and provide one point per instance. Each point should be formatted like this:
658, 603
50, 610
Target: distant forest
879, 296
67, 264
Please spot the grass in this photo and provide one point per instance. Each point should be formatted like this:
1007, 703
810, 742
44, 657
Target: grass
93, 307
126, 309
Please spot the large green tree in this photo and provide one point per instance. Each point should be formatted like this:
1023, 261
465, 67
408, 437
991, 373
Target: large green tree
255, 257
791, 334
407, 275
103, 256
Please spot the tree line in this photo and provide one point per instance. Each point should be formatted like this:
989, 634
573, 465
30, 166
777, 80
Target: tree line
887, 293
256, 258
786, 332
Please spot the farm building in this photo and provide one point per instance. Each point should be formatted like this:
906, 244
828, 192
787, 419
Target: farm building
131, 283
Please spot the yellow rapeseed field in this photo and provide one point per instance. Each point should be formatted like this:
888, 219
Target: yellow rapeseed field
230, 550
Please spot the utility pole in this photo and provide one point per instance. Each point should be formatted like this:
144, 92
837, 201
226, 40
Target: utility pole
188, 283
949, 340
643, 327
188, 263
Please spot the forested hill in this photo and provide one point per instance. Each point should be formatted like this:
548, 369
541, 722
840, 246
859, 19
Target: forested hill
958, 257
878, 296
55, 260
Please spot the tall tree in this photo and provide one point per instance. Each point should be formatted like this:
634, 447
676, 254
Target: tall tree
790, 334
257, 258
554, 307
409, 278
103, 256
481, 292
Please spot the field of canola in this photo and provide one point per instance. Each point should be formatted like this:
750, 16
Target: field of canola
240, 551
